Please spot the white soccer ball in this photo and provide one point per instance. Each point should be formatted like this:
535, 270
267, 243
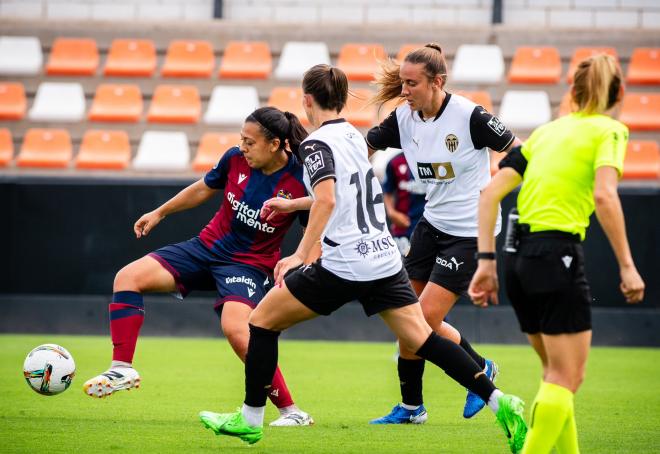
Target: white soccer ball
49, 369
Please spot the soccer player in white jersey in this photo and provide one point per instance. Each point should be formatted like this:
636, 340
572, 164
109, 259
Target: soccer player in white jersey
445, 139
359, 261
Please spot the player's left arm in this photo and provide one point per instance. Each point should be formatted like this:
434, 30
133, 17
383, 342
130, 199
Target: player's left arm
278, 205
486, 130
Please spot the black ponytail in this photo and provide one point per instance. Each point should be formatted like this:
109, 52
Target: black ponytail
275, 124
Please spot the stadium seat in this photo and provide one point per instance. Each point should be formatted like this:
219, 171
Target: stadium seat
480, 97
298, 57
20, 55
582, 53
189, 59
360, 61
405, 49
641, 111
535, 65
131, 58
356, 111
246, 60
6, 147
161, 150
289, 98
230, 105
642, 160
212, 146
45, 148
478, 64
116, 103
12, 101
524, 109
73, 57
175, 104
104, 150
58, 101
644, 67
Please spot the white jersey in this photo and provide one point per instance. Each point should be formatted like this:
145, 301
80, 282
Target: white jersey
356, 243
449, 155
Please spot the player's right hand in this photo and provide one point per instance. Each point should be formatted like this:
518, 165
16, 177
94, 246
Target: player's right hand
632, 285
484, 285
285, 265
276, 205
146, 223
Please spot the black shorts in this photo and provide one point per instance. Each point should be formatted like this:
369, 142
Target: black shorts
441, 258
325, 292
546, 284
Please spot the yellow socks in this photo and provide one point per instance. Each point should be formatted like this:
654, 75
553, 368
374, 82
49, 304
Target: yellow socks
552, 422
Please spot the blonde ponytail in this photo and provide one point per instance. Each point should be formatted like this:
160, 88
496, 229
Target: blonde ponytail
596, 84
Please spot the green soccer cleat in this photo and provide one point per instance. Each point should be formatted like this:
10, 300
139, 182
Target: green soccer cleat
509, 417
232, 424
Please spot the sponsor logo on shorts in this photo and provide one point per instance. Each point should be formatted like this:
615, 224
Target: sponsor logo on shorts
250, 292
378, 248
247, 215
567, 259
450, 263
240, 280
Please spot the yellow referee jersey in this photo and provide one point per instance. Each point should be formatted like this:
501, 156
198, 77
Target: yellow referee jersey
562, 158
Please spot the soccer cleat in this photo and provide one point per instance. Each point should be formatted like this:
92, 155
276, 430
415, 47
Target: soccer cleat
294, 418
232, 424
400, 415
113, 379
509, 417
474, 403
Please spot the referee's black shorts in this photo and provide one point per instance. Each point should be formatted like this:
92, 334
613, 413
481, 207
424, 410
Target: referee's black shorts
546, 284
325, 292
446, 260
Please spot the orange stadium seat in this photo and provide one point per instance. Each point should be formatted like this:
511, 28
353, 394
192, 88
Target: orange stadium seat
246, 60
642, 160
212, 146
405, 49
582, 53
535, 65
175, 104
641, 111
12, 101
45, 148
188, 58
116, 103
131, 58
6, 147
73, 57
360, 61
289, 98
479, 97
104, 150
644, 68
356, 111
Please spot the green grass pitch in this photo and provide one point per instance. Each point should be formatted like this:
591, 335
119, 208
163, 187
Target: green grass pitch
341, 384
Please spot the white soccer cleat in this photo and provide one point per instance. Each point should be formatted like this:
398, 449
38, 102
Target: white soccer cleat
113, 379
294, 418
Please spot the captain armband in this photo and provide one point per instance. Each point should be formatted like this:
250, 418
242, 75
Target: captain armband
515, 160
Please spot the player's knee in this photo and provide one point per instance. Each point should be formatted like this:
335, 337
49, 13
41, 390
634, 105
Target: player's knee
128, 278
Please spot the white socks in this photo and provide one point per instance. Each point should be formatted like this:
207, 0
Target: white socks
114, 364
409, 407
288, 410
493, 403
254, 416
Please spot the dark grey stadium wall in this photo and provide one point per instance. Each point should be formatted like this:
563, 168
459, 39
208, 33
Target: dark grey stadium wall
66, 237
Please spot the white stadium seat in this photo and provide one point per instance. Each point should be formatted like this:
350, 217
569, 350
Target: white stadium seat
20, 55
231, 105
298, 57
525, 109
57, 101
477, 64
162, 151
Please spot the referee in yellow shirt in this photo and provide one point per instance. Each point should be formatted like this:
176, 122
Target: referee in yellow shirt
567, 168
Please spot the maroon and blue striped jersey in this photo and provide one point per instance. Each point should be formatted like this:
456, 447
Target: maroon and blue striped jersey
409, 196
237, 232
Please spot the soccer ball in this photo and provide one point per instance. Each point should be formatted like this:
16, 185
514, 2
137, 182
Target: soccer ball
49, 369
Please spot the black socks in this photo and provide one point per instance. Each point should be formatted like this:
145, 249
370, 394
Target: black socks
410, 380
260, 365
475, 356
